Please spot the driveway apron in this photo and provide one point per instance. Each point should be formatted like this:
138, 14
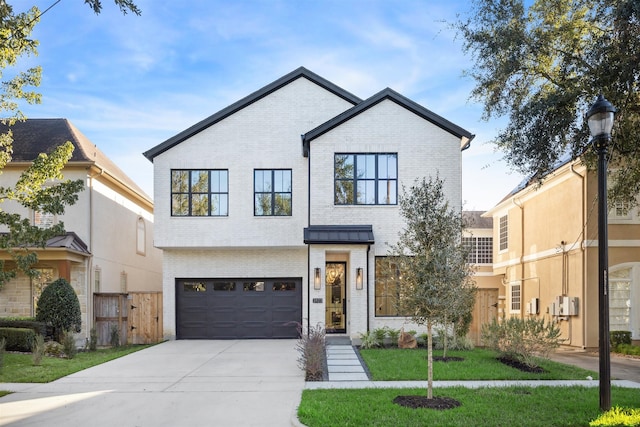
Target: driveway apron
175, 383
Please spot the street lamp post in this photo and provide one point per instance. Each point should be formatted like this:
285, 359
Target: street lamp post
600, 118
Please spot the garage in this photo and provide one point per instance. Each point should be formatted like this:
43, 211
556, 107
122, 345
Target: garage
238, 308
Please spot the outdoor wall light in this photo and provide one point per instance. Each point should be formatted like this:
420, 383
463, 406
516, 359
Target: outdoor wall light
316, 278
359, 275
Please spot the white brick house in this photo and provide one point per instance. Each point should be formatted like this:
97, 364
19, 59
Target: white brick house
274, 210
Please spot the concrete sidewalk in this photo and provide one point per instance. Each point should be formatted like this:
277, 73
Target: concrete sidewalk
176, 383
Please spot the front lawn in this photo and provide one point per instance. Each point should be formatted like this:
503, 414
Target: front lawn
479, 364
18, 367
510, 406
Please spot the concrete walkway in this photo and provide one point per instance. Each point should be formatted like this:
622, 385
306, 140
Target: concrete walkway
343, 364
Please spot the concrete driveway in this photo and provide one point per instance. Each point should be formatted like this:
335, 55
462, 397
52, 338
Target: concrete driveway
176, 383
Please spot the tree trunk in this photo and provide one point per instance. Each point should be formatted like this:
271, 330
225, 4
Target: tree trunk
445, 343
429, 361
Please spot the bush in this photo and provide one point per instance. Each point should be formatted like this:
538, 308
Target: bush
93, 339
3, 343
115, 336
311, 349
52, 348
59, 307
18, 339
370, 339
616, 416
37, 350
619, 337
632, 350
27, 322
522, 339
69, 345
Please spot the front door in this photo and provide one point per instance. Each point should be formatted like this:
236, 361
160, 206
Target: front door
336, 308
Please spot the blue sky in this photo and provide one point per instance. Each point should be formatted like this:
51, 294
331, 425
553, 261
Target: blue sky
130, 82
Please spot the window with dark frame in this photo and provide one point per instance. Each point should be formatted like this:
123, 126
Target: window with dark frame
366, 178
203, 192
272, 192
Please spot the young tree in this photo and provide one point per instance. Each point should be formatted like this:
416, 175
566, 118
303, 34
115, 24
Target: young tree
543, 64
41, 187
435, 280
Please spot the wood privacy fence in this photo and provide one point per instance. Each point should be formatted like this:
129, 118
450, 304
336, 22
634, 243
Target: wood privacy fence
136, 317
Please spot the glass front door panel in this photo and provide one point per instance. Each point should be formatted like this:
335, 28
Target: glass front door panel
336, 297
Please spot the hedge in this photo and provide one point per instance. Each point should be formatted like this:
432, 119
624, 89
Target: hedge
18, 339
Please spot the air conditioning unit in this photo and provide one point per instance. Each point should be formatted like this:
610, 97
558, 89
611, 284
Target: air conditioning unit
533, 306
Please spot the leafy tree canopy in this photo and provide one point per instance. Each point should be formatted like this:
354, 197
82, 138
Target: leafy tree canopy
543, 65
41, 187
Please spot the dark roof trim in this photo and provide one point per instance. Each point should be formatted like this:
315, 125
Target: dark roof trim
70, 241
248, 100
339, 234
387, 94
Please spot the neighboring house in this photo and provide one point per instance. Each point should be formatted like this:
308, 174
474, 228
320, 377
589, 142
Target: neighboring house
546, 255
108, 247
478, 238
277, 209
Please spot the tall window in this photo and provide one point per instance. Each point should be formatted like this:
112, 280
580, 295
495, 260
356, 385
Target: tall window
141, 237
272, 192
199, 193
366, 179
387, 287
480, 249
504, 232
516, 293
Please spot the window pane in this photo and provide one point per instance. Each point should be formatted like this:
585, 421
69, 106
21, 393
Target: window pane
194, 287
219, 205
180, 204
344, 166
366, 193
253, 287
199, 181
387, 166
224, 286
263, 180
282, 181
284, 286
200, 205
387, 192
179, 181
283, 204
263, 204
366, 166
344, 193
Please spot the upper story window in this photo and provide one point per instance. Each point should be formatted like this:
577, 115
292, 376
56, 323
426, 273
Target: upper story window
366, 179
199, 192
272, 192
621, 210
504, 232
480, 249
43, 219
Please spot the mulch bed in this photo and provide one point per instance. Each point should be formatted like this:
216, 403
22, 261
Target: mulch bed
447, 359
417, 402
521, 366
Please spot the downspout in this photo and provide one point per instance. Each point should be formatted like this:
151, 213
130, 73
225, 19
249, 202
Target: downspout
308, 245
522, 278
584, 257
90, 289
368, 294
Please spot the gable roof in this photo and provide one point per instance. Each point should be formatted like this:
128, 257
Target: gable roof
475, 219
388, 94
248, 100
34, 136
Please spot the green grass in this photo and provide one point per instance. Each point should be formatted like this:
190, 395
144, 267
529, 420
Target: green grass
478, 364
512, 406
18, 367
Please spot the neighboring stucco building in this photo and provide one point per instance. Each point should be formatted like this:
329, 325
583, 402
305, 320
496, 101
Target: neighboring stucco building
546, 255
108, 247
276, 210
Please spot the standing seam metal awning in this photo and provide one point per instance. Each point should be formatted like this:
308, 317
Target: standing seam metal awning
339, 234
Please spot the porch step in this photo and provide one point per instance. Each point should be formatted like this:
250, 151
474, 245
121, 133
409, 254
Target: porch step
343, 363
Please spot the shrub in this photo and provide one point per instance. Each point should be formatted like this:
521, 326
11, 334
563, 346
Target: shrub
522, 339
93, 339
311, 349
18, 339
370, 339
632, 350
37, 350
69, 344
617, 416
454, 342
59, 307
393, 335
619, 337
3, 343
115, 336
52, 348
26, 322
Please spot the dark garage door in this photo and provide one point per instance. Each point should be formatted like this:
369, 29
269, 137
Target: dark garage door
238, 308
